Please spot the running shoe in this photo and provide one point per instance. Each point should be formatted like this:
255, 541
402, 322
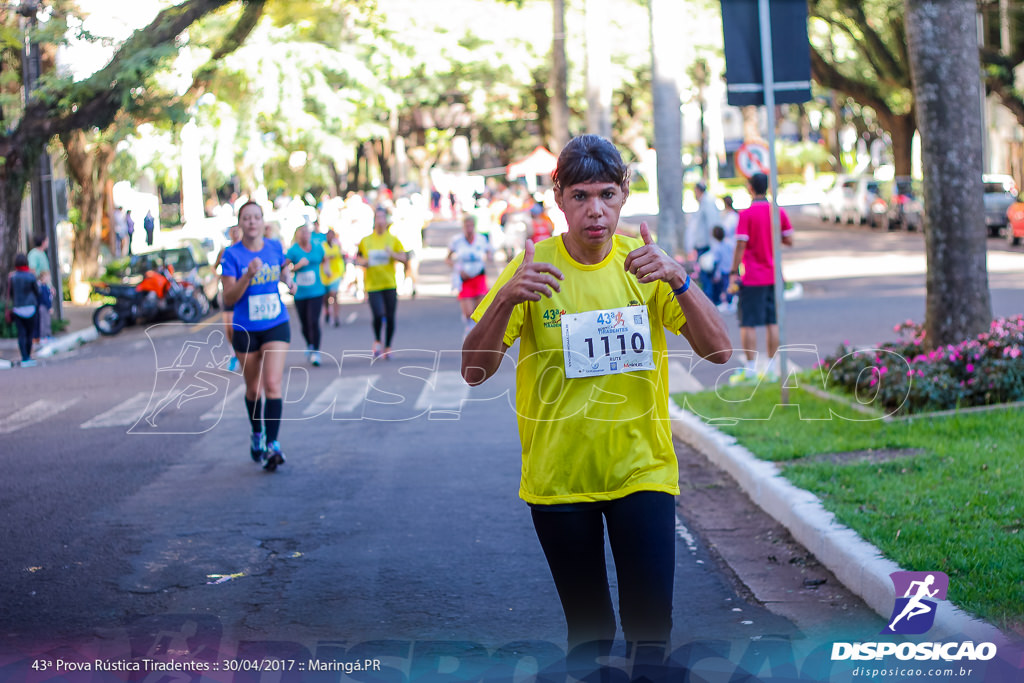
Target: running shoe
309, 351
274, 456
314, 359
376, 350
233, 364
743, 376
28, 363
258, 447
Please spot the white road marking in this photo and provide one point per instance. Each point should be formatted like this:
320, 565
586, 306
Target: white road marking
445, 390
344, 393
685, 536
123, 414
232, 399
35, 412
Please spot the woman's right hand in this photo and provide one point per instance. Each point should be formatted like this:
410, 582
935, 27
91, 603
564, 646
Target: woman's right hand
254, 267
532, 280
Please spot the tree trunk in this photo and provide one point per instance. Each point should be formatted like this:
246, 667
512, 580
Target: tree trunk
559, 82
668, 124
901, 129
945, 69
88, 164
752, 124
13, 181
599, 88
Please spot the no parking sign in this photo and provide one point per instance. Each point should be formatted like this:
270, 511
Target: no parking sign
752, 158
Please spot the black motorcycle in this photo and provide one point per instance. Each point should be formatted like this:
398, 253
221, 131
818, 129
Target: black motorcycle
132, 304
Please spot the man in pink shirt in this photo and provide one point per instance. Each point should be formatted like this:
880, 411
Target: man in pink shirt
755, 255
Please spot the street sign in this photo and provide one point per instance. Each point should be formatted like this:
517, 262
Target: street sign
790, 58
752, 158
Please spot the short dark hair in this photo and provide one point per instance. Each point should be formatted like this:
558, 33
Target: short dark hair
727, 200
40, 239
759, 183
718, 232
249, 203
20, 261
589, 159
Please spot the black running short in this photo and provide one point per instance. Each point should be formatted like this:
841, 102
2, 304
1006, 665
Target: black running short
246, 341
756, 306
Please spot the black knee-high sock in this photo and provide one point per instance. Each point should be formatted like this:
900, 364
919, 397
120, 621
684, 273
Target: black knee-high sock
255, 412
272, 416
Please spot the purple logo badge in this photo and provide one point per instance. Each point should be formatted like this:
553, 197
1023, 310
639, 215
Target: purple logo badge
917, 596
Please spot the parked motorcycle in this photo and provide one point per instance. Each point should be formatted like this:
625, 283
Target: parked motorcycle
159, 295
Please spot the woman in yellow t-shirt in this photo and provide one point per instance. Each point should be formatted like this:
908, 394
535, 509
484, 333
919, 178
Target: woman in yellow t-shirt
590, 309
334, 263
378, 253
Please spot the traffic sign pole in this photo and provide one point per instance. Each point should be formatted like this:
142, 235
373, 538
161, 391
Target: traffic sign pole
768, 71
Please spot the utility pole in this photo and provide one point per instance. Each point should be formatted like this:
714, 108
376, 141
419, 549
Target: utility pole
43, 210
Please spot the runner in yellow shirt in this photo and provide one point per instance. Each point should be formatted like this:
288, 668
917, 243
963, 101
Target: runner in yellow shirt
334, 263
590, 309
378, 253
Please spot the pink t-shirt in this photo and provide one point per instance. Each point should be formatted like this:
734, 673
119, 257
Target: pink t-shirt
755, 228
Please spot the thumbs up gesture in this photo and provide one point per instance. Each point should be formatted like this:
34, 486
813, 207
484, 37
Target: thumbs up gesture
532, 279
650, 263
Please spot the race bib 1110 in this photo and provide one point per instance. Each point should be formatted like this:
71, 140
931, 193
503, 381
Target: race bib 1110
607, 342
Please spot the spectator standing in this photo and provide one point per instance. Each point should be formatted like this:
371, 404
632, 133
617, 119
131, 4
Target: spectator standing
698, 233
120, 226
129, 229
753, 269
722, 249
39, 264
730, 218
149, 225
23, 303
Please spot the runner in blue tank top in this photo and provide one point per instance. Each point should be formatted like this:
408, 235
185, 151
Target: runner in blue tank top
251, 271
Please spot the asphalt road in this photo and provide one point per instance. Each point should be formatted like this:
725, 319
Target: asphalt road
395, 523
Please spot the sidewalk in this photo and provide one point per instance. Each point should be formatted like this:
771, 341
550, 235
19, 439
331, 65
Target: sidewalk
79, 331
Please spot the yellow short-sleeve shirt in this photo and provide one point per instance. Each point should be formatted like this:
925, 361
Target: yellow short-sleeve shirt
590, 438
380, 274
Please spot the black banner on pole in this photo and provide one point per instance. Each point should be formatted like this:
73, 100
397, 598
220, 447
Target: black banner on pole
790, 51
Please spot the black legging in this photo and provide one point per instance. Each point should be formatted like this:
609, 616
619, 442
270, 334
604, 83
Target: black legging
641, 531
26, 328
309, 317
383, 303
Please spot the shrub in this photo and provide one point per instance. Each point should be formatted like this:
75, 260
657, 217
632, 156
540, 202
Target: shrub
904, 377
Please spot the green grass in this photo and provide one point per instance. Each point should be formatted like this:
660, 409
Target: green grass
953, 501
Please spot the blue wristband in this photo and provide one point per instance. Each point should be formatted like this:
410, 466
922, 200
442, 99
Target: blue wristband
683, 287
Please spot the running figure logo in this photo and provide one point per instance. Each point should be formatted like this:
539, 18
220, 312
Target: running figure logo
914, 613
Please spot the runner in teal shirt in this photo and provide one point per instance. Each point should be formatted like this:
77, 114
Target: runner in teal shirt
306, 257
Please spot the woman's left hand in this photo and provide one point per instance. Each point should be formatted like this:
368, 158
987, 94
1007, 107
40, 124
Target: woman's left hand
650, 263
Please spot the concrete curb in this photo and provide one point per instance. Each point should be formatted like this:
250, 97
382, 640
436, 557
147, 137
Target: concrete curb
66, 342
858, 564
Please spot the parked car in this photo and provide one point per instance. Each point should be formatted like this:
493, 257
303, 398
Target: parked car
1000, 194
189, 261
1015, 222
903, 204
850, 200
831, 206
859, 197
